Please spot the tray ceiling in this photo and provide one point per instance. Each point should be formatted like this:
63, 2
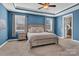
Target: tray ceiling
33, 7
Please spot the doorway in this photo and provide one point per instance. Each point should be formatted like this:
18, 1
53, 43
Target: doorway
68, 26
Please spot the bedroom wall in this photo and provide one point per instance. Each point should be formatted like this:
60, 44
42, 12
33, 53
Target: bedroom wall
58, 24
4, 31
75, 25
35, 19
10, 15
31, 19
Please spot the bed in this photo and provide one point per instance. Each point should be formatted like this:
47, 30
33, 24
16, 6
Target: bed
36, 37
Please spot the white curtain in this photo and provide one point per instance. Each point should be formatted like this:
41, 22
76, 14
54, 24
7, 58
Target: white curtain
19, 23
49, 22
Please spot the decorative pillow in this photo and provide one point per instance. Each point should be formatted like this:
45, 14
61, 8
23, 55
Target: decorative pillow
36, 29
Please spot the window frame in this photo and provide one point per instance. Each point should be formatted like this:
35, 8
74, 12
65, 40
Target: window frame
51, 21
23, 30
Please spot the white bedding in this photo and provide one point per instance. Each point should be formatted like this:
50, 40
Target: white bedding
42, 35
35, 39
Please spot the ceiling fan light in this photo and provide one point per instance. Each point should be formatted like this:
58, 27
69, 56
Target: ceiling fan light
45, 7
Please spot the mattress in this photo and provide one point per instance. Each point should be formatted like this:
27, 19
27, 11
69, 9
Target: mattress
43, 35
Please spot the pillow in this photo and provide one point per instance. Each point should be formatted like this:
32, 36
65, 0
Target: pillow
36, 29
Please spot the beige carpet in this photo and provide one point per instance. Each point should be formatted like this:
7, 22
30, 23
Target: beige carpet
19, 48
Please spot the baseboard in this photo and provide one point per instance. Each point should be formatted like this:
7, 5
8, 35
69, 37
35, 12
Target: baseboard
60, 37
3, 43
7, 42
12, 39
76, 41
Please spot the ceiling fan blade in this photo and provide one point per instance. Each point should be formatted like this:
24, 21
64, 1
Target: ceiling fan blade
52, 5
41, 3
40, 8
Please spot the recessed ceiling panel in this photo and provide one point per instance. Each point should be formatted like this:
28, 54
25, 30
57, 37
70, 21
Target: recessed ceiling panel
34, 7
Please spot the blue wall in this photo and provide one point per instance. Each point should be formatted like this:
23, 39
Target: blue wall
75, 25
3, 16
35, 19
31, 19
58, 23
10, 26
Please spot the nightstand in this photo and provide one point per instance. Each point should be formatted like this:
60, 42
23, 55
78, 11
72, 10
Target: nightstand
22, 36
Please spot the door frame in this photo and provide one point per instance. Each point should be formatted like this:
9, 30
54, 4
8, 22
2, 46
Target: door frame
64, 24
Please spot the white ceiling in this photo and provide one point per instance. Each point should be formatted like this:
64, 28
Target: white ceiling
34, 7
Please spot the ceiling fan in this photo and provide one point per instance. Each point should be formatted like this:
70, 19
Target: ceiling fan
45, 5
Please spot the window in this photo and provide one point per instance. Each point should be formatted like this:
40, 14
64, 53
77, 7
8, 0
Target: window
49, 25
19, 23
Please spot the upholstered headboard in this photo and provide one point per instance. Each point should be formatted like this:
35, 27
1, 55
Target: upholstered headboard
36, 28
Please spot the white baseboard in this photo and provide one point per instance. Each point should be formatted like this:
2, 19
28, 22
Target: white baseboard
4, 43
7, 42
76, 41
12, 39
60, 37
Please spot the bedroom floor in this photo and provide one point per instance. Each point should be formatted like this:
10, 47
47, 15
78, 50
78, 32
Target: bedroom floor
19, 48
